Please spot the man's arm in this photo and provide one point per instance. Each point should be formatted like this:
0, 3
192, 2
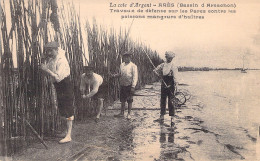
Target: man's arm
94, 90
135, 75
158, 70
118, 74
48, 71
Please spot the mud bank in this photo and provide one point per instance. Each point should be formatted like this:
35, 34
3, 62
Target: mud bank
140, 138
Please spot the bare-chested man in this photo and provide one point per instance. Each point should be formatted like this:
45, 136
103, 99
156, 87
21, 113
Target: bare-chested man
93, 82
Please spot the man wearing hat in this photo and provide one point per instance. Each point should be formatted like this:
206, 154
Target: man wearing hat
93, 82
56, 65
168, 72
128, 77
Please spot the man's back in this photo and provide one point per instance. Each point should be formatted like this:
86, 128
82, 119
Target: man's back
96, 79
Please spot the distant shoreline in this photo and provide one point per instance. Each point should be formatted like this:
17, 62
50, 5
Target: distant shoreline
184, 69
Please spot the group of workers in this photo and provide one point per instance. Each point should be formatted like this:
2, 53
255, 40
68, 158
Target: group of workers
93, 86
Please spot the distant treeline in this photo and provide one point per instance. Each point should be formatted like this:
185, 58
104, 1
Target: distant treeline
183, 69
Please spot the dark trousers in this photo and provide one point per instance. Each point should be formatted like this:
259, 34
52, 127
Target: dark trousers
167, 93
125, 94
65, 97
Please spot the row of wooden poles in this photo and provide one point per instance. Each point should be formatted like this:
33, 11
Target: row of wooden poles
26, 94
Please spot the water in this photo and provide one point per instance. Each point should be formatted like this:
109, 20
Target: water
231, 106
227, 102
230, 98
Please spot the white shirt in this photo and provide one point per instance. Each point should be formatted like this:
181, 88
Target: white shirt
92, 83
128, 74
60, 65
167, 69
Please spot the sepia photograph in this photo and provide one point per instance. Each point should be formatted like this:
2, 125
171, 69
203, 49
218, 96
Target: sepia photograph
148, 80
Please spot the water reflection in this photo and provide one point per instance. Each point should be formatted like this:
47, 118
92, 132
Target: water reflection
126, 137
165, 131
169, 150
171, 137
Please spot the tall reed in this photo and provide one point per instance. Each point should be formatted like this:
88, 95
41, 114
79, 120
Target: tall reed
25, 91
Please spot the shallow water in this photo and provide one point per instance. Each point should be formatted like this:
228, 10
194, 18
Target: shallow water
230, 101
236, 95
226, 102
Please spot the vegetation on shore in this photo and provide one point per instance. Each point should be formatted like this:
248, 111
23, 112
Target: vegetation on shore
26, 93
184, 69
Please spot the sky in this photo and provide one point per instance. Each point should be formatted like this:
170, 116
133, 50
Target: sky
218, 40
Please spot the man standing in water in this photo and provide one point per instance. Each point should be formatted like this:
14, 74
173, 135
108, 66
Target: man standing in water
168, 72
128, 77
93, 82
56, 65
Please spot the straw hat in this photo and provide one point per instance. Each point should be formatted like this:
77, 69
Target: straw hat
170, 54
127, 53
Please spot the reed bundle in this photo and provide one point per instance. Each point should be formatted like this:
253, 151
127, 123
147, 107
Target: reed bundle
26, 93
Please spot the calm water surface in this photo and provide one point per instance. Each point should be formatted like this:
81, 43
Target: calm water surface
230, 98
229, 107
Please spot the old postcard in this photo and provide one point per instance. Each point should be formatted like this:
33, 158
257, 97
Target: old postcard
130, 80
